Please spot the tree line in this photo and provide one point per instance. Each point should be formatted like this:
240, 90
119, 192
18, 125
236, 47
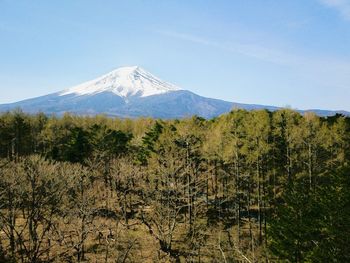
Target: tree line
247, 186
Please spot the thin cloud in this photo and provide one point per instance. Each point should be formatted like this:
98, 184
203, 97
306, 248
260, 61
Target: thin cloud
326, 71
250, 50
341, 6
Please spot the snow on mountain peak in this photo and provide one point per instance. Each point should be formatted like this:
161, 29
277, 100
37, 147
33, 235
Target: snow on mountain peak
125, 82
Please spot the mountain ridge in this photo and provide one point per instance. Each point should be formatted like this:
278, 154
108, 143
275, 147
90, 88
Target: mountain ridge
131, 92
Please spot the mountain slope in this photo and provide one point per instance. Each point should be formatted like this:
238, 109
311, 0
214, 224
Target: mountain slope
133, 92
176, 104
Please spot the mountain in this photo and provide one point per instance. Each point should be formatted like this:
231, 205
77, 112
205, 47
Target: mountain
133, 92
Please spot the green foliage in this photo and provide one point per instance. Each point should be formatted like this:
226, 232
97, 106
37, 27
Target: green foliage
148, 142
109, 142
312, 225
77, 144
292, 230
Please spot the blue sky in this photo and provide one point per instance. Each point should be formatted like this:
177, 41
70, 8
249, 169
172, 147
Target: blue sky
287, 53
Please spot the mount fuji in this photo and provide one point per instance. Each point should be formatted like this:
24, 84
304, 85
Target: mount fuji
130, 92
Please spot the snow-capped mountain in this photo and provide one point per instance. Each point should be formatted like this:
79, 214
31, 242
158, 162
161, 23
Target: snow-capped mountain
132, 92
124, 82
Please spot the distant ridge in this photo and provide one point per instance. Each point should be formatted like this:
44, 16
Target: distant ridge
131, 92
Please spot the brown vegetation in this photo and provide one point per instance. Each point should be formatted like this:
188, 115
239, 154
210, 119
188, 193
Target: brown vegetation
244, 187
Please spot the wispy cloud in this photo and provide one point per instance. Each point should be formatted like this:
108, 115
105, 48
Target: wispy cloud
342, 6
327, 71
246, 49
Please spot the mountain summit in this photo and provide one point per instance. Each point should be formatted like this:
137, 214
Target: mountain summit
124, 82
132, 92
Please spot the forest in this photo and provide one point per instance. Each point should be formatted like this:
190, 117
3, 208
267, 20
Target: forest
247, 186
